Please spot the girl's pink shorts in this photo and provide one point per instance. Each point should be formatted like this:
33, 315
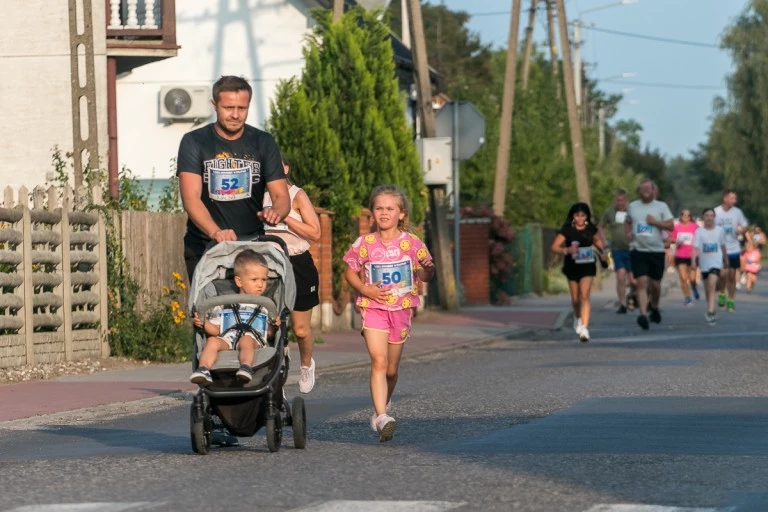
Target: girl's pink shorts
396, 323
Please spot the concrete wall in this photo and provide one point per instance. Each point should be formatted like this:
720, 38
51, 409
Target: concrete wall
35, 90
260, 40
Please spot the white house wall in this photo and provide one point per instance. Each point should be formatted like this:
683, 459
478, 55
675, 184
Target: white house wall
260, 40
35, 90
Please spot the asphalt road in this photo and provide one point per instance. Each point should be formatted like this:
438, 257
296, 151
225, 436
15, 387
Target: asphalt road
634, 421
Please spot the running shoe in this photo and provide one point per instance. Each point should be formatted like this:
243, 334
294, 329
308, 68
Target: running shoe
577, 325
584, 336
731, 306
695, 291
622, 310
244, 374
307, 378
721, 300
373, 417
386, 426
654, 315
201, 377
710, 317
642, 321
688, 302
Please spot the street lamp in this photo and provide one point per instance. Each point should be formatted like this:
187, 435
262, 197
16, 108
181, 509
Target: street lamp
577, 45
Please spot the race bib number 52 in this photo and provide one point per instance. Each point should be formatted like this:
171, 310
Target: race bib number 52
230, 179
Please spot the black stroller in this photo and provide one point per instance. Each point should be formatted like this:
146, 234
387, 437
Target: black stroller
244, 409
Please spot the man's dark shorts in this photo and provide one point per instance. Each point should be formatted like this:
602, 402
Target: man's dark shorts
734, 261
713, 271
649, 264
621, 259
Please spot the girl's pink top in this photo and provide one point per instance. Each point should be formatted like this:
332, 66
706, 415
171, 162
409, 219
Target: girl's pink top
683, 237
393, 264
752, 261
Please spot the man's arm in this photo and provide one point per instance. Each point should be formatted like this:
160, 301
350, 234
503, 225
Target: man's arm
191, 188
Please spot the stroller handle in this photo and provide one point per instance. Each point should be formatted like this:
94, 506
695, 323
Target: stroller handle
237, 298
256, 238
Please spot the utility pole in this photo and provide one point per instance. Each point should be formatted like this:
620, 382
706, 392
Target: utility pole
528, 44
405, 29
438, 216
577, 61
507, 108
338, 10
601, 131
554, 60
577, 146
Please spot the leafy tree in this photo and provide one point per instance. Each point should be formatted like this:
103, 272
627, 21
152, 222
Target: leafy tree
342, 124
737, 148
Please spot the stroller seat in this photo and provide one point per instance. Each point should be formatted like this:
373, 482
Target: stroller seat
228, 360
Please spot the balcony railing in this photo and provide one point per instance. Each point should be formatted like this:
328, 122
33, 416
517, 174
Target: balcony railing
148, 23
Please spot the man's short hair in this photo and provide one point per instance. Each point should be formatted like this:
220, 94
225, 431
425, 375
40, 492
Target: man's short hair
728, 191
231, 83
249, 257
620, 192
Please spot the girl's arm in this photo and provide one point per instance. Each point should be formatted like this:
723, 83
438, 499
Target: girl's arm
598, 242
558, 246
427, 271
372, 291
308, 227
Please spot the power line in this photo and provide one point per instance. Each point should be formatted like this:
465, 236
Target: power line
665, 85
651, 38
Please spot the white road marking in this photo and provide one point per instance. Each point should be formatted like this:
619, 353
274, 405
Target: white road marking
381, 506
646, 508
86, 507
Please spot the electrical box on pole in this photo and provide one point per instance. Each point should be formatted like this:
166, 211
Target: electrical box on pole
435, 158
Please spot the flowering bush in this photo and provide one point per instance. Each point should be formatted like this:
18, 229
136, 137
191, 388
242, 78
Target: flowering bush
159, 335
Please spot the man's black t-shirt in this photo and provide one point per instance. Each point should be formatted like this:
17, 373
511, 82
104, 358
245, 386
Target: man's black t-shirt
585, 238
235, 173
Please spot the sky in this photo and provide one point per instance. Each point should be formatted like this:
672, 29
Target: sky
675, 120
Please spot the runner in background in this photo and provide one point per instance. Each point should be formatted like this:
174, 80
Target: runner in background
611, 229
682, 236
709, 253
733, 222
752, 265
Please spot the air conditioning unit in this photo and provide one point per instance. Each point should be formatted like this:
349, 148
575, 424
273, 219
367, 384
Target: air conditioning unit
185, 102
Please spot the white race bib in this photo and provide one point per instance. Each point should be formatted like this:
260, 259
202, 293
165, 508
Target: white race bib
620, 217
230, 179
644, 229
585, 255
397, 276
684, 238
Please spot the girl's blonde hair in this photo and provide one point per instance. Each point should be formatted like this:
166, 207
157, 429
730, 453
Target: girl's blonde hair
396, 192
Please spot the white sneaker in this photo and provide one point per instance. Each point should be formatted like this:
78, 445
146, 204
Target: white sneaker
386, 426
307, 379
584, 335
577, 325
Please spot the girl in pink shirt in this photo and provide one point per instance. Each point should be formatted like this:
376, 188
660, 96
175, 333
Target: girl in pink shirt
384, 267
752, 258
682, 235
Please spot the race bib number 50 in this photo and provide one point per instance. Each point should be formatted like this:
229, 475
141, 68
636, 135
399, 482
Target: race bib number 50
394, 276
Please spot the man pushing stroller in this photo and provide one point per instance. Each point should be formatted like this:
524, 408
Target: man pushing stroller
251, 273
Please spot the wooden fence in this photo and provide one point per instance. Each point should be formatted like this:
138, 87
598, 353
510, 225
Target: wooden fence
53, 258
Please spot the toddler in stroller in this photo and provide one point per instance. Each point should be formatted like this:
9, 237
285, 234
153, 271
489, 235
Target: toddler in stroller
240, 288
251, 272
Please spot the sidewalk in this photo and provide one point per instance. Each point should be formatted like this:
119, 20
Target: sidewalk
433, 331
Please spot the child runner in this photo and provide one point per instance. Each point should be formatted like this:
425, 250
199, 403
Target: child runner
752, 258
682, 235
390, 259
710, 254
578, 241
251, 272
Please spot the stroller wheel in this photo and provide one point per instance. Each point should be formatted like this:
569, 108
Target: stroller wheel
299, 423
274, 432
201, 439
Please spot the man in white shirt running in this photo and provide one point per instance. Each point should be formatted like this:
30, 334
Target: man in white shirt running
645, 221
733, 222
